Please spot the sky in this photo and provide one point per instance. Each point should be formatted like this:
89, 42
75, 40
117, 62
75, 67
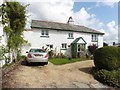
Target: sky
101, 15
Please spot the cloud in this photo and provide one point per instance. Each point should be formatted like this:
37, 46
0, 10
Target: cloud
110, 3
104, 31
49, 10
84, 18
113, 30
1, 1
52, 11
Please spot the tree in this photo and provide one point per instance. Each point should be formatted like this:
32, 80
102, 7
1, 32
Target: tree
92, 48
14, 21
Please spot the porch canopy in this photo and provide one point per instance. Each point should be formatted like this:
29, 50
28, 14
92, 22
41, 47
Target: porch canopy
78, 46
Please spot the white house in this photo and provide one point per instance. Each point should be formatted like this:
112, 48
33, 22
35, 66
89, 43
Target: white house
61, 37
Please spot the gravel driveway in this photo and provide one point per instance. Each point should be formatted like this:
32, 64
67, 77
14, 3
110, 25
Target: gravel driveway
73, 75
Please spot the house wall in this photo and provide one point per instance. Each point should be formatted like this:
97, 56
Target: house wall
100, 41
56, 38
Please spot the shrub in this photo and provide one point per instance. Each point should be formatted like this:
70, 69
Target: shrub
21, 57
92, 48
51, 54
111, 78
118, 55
107, 58
1, 53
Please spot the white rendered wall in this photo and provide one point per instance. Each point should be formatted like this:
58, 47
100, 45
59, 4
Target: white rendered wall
100, 41
56, 38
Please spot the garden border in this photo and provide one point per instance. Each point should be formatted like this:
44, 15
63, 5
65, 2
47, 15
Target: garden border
7, 69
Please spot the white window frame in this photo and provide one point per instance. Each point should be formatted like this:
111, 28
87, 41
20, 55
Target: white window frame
94, 37
44, 33
64, 45
70, 35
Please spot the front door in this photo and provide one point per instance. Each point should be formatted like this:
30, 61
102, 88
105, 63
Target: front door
80, 49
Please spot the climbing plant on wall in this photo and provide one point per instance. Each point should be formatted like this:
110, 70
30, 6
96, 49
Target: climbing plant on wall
14, 21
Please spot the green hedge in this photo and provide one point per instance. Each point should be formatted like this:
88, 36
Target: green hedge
107, 58
111, 78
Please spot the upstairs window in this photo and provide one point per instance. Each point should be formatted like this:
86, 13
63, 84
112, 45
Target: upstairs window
44, 33
70, 35
94, 37
64, 45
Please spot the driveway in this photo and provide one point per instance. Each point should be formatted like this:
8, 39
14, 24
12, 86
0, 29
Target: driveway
73, 75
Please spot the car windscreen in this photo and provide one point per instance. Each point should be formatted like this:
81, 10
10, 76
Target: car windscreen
37, 50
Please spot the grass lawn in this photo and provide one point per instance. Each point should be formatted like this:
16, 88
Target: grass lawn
60, 61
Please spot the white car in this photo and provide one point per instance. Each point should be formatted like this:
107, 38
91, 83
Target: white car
37, 55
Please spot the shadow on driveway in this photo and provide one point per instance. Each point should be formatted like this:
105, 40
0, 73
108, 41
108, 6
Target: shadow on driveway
24, 63
87, 70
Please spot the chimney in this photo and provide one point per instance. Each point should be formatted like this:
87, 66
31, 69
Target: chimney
70, 20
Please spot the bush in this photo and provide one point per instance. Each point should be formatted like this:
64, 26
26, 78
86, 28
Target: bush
3, 51
107, 58
118, 55
60, 55
92, 48
23, 57
51, 54
111, 78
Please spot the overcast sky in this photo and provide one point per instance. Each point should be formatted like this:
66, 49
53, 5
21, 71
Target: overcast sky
102, 16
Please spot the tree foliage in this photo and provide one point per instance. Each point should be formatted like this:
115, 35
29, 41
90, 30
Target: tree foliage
14, 21
92, 48
107, 57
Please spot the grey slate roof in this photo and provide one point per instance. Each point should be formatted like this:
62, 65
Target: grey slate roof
62, 26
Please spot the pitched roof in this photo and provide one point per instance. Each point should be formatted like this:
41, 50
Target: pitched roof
77, 39
62, 26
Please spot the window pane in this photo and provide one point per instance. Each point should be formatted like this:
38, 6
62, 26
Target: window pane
36, 50
46, 32
64, 45
78, 47
70, 35
42, 33
47, 45
94, 37
51, 46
